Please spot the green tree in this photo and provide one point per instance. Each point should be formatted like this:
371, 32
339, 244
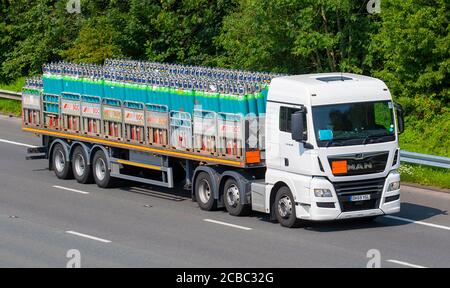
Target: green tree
411, 53
184, 31
39, 30
93, 45
297, 36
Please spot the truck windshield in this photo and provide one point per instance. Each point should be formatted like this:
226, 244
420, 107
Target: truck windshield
354, 123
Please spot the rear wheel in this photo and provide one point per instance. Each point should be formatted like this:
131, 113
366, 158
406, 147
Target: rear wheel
285, 208
60, 163
204, 192
102, 175
81, 170
232, 199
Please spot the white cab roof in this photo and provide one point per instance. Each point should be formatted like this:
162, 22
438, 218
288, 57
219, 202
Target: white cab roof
327, 88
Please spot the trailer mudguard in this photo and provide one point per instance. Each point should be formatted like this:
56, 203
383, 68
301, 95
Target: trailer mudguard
66, 147
244, 181
215, 175
85, 147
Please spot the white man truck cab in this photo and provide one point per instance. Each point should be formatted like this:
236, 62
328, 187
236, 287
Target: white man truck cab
331, 149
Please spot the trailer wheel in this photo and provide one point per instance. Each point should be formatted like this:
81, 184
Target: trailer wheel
204, 192
60, 163
232, 199
102, 175
81, 170
284, 207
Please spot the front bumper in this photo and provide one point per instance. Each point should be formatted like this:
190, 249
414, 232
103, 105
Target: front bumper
387, 203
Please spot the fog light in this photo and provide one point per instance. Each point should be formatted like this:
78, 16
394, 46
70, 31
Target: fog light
322, 193
394, 186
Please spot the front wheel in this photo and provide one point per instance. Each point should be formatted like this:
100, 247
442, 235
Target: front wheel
102, 174
232, 198
285, 208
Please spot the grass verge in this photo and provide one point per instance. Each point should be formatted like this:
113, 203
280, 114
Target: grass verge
10, 107
428, 176
15, 86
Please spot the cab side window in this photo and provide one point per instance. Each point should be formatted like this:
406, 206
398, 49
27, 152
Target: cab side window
286, 119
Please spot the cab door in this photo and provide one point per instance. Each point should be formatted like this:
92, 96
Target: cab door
292, 153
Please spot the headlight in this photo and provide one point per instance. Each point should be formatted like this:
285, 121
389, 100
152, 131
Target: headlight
394, 186
322, 193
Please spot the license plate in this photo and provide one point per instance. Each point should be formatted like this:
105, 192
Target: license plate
359, 198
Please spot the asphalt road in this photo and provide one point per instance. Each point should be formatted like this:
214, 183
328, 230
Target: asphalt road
41, 219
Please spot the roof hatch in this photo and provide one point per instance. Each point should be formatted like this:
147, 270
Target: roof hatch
333, 78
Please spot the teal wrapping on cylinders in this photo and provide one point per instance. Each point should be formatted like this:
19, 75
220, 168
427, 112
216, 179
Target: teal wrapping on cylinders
261, 101
93, 87
177, 87
252, 105
53, 84
118, 91
209, 101
73, 85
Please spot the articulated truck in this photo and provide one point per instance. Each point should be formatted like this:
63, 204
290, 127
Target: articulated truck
307, 147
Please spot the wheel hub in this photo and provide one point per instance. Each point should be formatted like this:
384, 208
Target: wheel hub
204, 191
60, 161
233, 196
100, 169
80, 164
285, 207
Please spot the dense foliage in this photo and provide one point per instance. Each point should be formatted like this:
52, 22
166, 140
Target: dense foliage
407, 44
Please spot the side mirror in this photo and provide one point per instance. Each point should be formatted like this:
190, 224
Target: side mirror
400, 120
298, 125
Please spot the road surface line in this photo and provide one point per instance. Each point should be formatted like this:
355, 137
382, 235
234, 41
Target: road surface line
405, 264
418, 222
17, 143
88, 236
71, 190
227, 224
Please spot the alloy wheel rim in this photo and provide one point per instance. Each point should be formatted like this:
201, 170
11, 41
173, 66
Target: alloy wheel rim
285, 207
100, 169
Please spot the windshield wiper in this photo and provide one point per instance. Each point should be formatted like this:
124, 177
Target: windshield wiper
374, 136
338, 142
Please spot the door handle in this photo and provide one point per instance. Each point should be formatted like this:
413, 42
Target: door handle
286, 162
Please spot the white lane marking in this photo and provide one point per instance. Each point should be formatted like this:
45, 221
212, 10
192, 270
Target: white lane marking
227, 224
88, 236
17, 143
418, 222
71, 190
405, 264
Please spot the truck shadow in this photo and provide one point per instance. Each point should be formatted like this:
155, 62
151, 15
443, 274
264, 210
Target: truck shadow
174, 194
409, 211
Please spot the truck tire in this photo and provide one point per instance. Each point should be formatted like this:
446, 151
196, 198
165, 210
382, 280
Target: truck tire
60, 163
284, 207
80, 167
102, 175
204, 193
232, 199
